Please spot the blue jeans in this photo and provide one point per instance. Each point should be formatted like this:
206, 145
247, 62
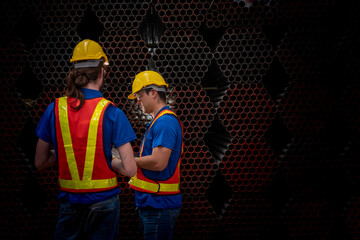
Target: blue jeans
89, 221
158, 224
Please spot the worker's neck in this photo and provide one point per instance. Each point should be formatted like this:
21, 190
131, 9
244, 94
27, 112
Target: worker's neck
94, 85
157, 108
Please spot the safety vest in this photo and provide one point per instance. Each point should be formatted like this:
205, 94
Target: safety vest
170, 186
82, 163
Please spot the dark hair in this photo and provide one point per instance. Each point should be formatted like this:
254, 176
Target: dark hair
79, 78
162, 95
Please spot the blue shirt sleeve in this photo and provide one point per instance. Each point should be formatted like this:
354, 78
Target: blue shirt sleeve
122, 132
43, 129
165, 132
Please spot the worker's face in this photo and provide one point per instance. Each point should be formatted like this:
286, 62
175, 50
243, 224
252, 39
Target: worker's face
142, 100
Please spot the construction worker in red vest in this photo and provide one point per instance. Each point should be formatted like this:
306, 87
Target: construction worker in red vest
157, 181
83, 127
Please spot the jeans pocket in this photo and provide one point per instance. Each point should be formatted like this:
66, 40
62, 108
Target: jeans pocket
104, 216
104, 220
173, 216
68, 223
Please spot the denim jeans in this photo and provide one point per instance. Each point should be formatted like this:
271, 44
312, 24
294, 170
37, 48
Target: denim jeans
158, 224
89, 221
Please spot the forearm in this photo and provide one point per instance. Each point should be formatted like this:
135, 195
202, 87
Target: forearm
118, 166
149, 163
125, 164
44, 157
157, 161
50, 162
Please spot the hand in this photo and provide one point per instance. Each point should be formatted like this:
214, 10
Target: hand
115, 153
124, 163
116, 164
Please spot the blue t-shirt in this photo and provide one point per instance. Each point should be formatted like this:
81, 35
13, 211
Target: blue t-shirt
166, 132
116, 132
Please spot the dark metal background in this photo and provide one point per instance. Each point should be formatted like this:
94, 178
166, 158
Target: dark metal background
268, 95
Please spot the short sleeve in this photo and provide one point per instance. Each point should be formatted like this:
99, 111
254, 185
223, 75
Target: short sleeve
122, 129
165, 132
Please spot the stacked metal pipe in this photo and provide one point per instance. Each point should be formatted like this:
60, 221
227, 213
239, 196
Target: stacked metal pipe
267, 93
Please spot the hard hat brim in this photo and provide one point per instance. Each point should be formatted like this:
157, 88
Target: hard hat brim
131, 96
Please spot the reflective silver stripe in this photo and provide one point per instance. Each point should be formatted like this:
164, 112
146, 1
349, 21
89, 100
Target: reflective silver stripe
156, 88
87, 63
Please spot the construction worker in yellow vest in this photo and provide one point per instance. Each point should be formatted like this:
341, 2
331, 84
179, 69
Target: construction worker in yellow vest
83, 127
157, 181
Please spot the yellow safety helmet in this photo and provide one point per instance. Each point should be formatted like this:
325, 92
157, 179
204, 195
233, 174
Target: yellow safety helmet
88, 50
144, 79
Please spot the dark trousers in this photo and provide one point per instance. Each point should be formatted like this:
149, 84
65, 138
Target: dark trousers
89, 221
158, 224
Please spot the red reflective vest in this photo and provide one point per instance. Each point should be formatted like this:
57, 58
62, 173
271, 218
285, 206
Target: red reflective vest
170, 186
81, 157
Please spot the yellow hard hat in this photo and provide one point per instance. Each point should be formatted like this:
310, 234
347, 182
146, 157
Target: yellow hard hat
88, 50
144, 79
